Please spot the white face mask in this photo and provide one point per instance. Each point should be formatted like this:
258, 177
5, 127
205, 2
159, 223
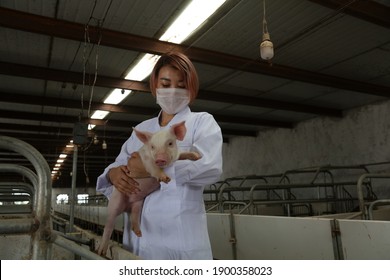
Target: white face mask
172, 100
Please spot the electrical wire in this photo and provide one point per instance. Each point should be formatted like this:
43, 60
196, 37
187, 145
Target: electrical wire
87, 43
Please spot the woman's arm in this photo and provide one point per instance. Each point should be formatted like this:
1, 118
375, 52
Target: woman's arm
117, 173
207, 141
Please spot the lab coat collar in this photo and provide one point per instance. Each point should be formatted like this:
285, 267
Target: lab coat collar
181, 116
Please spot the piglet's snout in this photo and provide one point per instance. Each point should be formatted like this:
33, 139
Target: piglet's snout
162, 160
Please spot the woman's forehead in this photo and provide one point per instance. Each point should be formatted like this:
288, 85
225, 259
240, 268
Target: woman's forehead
169, 72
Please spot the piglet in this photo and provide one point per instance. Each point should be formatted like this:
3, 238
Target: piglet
158, 152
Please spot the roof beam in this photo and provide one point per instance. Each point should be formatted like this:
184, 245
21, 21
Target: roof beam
75, 31
370, 11
12, 97
50, 133
128, 124
44, 73
46, 133
268, 103
104, 81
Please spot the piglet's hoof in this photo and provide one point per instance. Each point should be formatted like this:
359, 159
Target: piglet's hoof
165, 179
137, 232
194, 156
189, 155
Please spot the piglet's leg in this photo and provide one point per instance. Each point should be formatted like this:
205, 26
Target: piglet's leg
135, 215
189, 155
159, 174
116, 206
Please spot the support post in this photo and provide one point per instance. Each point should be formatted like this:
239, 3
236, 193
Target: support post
73, 192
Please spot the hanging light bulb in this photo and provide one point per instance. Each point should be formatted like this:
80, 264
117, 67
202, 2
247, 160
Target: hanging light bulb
95, 140
266, 46
104, 144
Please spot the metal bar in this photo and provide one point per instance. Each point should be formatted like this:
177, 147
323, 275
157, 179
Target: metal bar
17, 186
73, 247
361, 180
372, 204
16, 209
6, 167
15, 197
370, 11
15, 226
71, 119
73, 190
233, 240
40, 250
336, 240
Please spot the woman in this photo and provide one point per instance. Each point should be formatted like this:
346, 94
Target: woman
173, 220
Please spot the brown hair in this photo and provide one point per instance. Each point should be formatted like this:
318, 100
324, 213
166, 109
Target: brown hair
184, 65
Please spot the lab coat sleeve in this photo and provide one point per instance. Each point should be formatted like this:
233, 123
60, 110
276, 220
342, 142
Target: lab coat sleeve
103, 184
207, 140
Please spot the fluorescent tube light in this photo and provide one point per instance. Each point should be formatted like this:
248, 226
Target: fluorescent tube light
99, 114
190, 19
116, 96
143, 68
185, 24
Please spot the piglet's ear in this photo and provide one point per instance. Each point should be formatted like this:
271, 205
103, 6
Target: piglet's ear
179, 130
144, 136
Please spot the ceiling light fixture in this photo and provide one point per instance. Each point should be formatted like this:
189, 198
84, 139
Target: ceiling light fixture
185, 24
190, 19
99, 114
104, 145
116, 96
266, 46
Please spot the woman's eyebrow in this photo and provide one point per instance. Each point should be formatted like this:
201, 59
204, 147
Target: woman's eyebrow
169, 80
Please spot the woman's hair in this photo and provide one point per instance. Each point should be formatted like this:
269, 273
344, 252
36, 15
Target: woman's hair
184, 65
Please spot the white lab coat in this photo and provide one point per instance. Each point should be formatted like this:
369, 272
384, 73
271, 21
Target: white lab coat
173, 220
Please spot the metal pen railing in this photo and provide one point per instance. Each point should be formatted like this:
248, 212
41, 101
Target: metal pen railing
38, 223
362, 180
41, 221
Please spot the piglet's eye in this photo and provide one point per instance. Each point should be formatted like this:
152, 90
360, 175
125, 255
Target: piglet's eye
170, 144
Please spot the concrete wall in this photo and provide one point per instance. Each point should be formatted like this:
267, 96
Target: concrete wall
361, 136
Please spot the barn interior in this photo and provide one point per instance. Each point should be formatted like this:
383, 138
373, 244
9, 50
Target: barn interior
305, 132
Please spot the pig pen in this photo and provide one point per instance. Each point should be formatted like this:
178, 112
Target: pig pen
318, 213
243, 236
306, 214
310, 214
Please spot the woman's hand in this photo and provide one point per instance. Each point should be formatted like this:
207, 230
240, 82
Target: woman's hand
120, 177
